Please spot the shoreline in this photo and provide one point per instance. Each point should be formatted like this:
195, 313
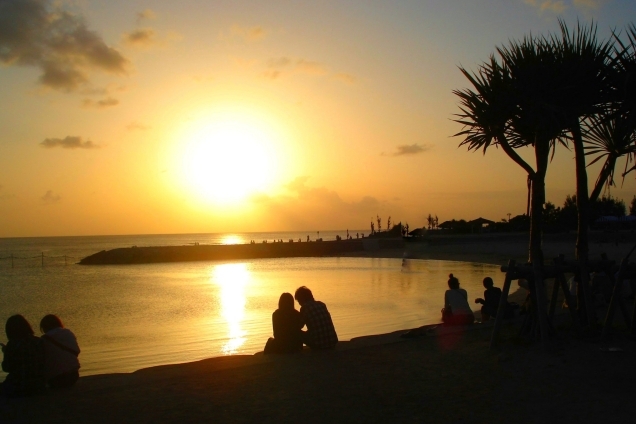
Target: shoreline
446, 375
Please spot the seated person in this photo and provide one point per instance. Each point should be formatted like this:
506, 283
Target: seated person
23, 360
456, 310
60, 346
320, 334
490, 302
287, 325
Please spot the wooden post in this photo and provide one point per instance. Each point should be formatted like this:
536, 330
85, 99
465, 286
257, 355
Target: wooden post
502, 303
568, 299
553, 299
542, 313
609, 318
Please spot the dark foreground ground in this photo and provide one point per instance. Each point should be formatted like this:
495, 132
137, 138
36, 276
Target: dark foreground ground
452, 378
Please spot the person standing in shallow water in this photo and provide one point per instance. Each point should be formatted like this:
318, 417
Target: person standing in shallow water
23, 360
456, 308
287, 324
320, 334
61, 349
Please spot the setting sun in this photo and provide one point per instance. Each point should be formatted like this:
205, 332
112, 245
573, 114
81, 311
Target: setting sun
228, 159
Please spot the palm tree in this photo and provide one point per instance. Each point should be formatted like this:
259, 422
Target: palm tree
538, 96
609, 136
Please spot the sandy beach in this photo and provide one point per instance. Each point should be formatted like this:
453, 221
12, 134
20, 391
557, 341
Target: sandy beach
447, 375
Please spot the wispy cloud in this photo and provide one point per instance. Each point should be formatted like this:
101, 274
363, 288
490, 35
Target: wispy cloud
68, 142
277, 67
146, 15
137, 126
245, 33
548, 5
408, 150
100, 104
45, 35
142, 38
50, 198
300, 206
346, 78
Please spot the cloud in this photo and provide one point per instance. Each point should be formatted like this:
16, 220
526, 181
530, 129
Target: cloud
254, 33
133, 126
44, 35
548, 5
69, 142
146, 15
309, 67
277, 66
408, 150
100, 104
142, 37
346, 78
306, 207
50, 198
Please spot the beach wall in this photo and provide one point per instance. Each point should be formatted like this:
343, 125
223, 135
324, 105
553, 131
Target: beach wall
142, 255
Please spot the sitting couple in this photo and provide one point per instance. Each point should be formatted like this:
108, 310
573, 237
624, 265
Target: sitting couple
288, 324
457, 311
33, 362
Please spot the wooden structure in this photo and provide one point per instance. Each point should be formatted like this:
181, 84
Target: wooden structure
539, 319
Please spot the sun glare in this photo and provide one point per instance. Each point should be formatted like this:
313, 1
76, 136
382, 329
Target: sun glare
226, 160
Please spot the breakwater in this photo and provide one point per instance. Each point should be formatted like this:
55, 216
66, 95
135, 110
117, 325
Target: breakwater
157, 254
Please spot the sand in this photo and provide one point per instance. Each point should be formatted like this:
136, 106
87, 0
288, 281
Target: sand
447, 376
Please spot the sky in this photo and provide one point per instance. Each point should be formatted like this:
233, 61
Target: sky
158, 117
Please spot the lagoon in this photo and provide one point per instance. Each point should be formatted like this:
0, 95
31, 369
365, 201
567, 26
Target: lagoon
137, 316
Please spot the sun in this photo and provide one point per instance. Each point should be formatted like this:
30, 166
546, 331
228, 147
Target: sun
227, 159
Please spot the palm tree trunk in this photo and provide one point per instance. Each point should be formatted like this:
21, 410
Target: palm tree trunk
542, 153
583, 206
606, 171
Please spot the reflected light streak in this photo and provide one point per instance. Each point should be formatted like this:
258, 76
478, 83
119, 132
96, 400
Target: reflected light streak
232, 239
232, 280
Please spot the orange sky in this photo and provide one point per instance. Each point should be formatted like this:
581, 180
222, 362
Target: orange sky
239, 116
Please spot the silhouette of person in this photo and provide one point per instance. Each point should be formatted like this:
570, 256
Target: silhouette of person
23, 360
286, 323
320, 334
456, 310
490, 301
61, 366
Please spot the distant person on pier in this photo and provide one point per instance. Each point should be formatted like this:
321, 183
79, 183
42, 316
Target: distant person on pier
320, 334
23, 360
490, 301
456, 310
287, 324
61, 349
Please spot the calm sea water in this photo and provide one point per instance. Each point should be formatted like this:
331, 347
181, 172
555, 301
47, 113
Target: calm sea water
135, 316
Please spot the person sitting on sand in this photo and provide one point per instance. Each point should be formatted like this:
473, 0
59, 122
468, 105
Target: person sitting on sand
320, 334
490, 302
287, 325
456, 310
23, 360
61, 350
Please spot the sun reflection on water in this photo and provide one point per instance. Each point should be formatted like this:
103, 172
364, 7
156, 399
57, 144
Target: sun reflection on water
232, 239
232, 279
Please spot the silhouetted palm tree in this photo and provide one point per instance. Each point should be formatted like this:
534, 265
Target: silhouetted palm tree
537, 96
609, 136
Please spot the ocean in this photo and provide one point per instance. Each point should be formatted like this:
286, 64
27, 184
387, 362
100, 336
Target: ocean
128, 317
